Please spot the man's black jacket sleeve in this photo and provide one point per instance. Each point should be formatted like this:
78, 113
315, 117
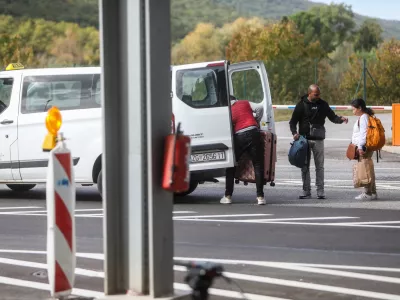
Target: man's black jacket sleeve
332, 116
296, 116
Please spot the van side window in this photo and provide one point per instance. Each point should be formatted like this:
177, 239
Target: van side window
198, 88
247, 85
96, 92
6, 85
67, 92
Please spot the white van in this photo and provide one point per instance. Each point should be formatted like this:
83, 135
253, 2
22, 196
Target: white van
200, 102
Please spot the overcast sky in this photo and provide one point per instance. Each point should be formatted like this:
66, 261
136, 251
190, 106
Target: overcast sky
384, 9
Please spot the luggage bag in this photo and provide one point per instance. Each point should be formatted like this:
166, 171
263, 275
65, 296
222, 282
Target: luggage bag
245, 170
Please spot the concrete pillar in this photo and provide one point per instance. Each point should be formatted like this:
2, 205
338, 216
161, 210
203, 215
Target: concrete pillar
138, 228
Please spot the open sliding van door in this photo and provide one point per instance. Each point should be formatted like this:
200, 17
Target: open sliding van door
200, 101
249, 81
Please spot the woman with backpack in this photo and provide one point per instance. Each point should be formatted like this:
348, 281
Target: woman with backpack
359, 139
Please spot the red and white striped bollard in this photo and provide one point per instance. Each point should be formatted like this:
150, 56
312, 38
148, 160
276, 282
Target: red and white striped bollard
60, 199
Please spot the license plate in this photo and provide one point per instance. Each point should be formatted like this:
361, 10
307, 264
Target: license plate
207, 156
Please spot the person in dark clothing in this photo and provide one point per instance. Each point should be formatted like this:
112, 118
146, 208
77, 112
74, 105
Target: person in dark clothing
310, 114
247, 138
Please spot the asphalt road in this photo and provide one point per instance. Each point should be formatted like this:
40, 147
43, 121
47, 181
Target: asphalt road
338, 248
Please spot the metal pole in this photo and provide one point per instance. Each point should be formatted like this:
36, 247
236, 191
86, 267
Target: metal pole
316, 71
138, 231
365, 79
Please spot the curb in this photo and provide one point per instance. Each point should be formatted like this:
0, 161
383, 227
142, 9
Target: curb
391, 149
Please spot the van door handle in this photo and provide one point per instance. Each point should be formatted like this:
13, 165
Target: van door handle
6, 122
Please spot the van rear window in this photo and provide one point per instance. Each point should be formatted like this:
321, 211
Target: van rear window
67, 92
202, 88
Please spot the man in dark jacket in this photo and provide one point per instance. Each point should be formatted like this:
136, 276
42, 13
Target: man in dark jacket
310, 113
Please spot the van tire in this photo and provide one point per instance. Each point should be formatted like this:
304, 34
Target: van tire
100, 183
193, 185
21, 187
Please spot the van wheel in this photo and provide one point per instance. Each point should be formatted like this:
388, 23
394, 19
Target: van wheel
193, 185
21, 187
100, 183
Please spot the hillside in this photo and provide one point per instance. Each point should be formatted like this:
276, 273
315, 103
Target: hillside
185, 13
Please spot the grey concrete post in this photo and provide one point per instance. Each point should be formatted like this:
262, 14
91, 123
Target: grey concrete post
138, 232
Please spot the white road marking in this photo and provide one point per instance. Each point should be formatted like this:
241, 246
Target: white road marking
226, 293
183, 212
265, 263
366, 223
224, 216
45, 287
30, 264
323, 271
327, 139
97, 256
328, 224
312, 286
266, 220
18, 207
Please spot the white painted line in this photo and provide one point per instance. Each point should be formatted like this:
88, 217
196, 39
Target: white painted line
312, 286
267, 263
224, 216
323, 271
30, 264
366, 223
18, 207
97, 256
90, 215
266, 220
183, 212
22, 212
45, 287
226, 293
331, 224
357, 268
327, 139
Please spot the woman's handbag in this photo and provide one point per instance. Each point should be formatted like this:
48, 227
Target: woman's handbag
352, 152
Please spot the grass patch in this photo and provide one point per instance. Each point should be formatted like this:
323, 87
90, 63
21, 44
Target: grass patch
388, 141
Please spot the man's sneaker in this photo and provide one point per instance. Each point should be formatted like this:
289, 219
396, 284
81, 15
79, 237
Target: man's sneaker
305, 196
226, 200
261, 201
321, 196
363, 196
374, 197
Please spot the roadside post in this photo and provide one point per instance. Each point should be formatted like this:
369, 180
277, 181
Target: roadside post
60, 201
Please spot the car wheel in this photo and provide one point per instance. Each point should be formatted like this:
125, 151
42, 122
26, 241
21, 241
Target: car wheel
193, 185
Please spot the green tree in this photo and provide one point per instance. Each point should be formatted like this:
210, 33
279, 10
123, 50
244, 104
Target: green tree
368, 36
331, 25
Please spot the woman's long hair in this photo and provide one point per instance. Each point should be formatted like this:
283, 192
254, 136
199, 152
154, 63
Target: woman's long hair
360, 103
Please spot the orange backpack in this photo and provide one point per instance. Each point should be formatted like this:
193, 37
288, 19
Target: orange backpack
375, 134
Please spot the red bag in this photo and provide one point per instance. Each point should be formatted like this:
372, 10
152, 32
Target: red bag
245, 170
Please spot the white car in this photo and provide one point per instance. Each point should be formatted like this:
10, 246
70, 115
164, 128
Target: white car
200, 94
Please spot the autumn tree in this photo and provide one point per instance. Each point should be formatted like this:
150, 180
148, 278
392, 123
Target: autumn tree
289, 61
385, 70
13, 50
